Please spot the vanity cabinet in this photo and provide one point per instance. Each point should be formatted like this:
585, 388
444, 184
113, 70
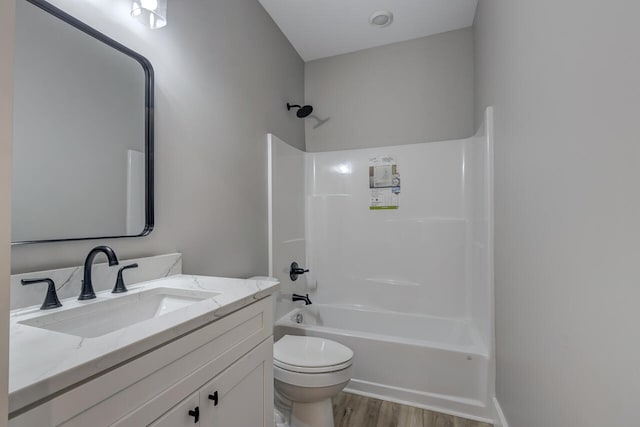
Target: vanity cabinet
234, 398
230, 358
179, 415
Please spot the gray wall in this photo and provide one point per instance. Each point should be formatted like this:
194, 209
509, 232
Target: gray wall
224, 72
565, 81
7, 8
415, 91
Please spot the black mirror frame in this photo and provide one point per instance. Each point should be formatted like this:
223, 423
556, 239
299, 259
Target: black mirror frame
149, 119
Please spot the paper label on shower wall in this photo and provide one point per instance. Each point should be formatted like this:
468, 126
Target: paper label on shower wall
383, 198
384, 183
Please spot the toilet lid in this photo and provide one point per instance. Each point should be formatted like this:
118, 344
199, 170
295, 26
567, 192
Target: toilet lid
310, 354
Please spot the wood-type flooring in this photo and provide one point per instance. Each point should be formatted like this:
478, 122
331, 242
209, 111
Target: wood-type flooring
351, 410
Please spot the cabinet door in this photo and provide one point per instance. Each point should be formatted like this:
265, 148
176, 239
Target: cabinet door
179, 416
242, 395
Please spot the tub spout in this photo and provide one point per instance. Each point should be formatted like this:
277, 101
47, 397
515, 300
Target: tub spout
305, 298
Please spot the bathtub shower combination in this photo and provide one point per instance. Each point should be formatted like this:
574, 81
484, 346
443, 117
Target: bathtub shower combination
435, 362
410, 291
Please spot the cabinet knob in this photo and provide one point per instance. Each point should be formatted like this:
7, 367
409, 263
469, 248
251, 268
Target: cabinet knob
214, 397
195, 414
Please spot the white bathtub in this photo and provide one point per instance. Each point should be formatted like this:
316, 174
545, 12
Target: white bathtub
430, 362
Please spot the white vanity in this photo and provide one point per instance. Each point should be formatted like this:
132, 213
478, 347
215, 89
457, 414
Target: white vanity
177, 351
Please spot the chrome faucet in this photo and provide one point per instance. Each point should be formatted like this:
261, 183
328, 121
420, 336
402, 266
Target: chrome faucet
87, 286
305, 298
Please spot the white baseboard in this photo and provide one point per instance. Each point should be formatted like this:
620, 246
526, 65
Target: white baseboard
500, 420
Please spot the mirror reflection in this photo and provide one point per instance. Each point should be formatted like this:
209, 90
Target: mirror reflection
81, 132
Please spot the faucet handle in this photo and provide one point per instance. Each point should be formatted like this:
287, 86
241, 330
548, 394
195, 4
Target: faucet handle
120, 287
51, 300
296, 271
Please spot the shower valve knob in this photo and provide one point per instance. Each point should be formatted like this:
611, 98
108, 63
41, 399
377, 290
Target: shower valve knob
296, 271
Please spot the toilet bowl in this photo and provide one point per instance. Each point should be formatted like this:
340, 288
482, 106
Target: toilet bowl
308, 371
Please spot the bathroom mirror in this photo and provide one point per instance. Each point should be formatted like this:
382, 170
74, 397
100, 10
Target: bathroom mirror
83, 131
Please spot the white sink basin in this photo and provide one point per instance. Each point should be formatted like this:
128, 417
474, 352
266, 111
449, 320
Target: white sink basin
103, 316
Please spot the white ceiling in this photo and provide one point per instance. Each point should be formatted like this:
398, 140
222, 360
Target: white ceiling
321, 28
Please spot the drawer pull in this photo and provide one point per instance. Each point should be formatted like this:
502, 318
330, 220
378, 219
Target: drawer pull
195, 414
214, 397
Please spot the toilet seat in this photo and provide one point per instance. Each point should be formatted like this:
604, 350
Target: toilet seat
310, 355
313, 380
309, 370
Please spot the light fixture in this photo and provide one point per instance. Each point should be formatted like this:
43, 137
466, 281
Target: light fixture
381, 18
152, 13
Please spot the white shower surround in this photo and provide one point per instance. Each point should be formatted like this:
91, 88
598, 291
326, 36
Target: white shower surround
426, 264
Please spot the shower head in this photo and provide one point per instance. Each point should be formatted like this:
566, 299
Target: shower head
303, 111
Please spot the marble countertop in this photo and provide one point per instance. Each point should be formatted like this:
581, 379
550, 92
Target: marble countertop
43, 362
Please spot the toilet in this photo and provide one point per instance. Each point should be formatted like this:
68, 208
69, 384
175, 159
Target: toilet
309, 371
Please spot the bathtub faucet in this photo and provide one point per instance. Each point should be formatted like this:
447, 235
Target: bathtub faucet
305, 298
